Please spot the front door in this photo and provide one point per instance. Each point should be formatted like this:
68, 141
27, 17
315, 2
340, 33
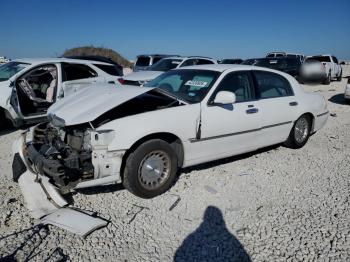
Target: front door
232, 128
76, 77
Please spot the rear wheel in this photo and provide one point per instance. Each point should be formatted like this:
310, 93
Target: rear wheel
340, 76
300, 133
327, 81
151, 169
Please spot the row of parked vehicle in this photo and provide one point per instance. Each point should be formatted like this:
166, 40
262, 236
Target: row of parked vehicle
320, 68
140, 129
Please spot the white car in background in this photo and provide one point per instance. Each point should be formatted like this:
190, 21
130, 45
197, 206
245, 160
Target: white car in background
28, 87
321, 68
142, 136
347, 91
142, 77
4, 60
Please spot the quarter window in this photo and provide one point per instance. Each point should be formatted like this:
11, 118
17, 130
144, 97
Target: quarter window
77, 71
272, 85
238, 83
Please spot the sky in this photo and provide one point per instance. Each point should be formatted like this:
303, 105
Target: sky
218, 29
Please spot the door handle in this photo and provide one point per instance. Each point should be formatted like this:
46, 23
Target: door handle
293, 103
252, 111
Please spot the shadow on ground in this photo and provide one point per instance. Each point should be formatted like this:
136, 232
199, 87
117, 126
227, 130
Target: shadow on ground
227, 160
211, 241
29, 244
338, 99
100, 189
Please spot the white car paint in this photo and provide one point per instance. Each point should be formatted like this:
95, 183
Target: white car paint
270, 126
332, 68
8, 91
140, 78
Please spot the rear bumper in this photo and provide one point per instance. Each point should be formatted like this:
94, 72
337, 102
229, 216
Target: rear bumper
316, 77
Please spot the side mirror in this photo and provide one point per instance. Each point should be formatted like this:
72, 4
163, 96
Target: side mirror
224, 98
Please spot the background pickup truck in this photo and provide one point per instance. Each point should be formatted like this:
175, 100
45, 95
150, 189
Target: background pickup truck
321, 68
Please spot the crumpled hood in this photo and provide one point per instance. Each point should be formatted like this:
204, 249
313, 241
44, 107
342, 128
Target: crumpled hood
92, 102
142, 75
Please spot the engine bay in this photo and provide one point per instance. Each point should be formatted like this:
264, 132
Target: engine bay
63, 155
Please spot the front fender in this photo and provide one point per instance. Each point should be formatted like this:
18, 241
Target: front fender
180, 121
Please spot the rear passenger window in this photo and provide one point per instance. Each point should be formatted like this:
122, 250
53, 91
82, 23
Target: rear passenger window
204, 62
77, 71
238, 83
272, 85
109, 69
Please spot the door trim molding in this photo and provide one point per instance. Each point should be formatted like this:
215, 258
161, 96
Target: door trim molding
194, 140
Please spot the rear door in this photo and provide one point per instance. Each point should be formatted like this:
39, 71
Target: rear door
76, 77
277, 107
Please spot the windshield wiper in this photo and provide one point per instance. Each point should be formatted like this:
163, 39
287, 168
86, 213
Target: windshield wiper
170, 95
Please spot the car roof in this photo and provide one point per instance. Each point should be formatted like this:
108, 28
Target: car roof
189, 57
218, 67
35, 61
234, 67
157, 55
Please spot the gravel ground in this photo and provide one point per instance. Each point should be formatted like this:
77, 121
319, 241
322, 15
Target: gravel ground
277, 204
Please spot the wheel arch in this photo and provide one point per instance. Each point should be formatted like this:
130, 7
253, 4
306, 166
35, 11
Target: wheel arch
170, 138
312, 118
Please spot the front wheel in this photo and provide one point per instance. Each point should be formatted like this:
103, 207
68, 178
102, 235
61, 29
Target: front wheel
300, 133
151, 169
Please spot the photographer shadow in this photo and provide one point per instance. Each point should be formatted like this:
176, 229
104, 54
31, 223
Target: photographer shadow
211, 241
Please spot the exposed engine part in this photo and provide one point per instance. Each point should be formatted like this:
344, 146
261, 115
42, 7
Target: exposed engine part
65, 157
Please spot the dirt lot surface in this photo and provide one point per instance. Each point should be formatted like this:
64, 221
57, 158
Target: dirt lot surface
277, 204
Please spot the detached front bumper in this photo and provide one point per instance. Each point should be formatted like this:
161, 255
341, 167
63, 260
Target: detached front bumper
41, 197
44, 200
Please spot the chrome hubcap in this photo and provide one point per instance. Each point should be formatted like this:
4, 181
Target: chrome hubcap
301, 130
154, 169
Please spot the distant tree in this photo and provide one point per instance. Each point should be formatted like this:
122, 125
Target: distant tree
99, 51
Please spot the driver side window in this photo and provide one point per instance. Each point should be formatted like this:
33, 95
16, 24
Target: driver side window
239, 83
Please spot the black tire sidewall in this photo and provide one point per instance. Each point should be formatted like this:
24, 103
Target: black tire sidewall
131, 180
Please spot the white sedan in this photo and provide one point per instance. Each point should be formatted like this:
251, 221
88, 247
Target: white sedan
142, 136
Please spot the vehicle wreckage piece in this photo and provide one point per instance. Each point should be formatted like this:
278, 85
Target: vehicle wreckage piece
46, 204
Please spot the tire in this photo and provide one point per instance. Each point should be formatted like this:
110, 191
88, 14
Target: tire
340, 76
297, 136
3, 120
141, 173
327, 81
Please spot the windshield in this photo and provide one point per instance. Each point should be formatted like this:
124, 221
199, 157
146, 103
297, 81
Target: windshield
165, 65
10, 69
189, 85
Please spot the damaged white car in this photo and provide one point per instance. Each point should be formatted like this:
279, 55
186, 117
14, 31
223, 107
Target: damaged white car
141, 136
28, 87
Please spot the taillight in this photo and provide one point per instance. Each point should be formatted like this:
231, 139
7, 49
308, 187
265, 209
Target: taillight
121, 81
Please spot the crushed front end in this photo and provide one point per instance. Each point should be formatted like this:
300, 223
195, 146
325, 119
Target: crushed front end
63, 155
